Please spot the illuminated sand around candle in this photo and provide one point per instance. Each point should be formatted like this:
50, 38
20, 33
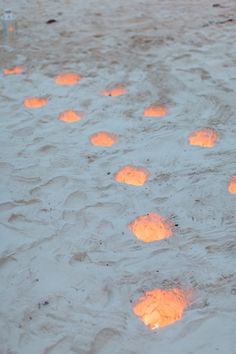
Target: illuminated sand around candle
71, 116
35, 102
13, 71
10, 29
67, 79
103, 139
232, 185
155, 111
159, 308
114, 92
133, 175
150, 227
203, 137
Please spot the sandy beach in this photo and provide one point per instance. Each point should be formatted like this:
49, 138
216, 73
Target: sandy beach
71, 269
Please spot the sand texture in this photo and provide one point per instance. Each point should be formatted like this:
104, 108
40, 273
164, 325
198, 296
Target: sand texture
70, 268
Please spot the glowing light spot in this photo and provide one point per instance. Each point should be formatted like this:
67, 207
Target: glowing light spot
232, 185
136, 176
155, 111
150, 227
203, 137
14, 70
10, 29
35, 102
103, 139
159, 308
71, 116
118, 90
67, 79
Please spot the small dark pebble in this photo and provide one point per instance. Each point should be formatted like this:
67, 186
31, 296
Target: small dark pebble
216, 5
223, 22
107, 264
51, 21
157, 271
130, 301
30, 318
108, 173
45, 303
109, 94
176, 224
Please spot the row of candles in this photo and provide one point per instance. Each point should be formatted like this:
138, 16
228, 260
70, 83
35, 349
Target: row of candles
156, 308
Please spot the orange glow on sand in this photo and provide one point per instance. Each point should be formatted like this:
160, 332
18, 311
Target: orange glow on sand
150, 227
10, 29
155, 111
14, 70
136, 176
159, 308
232, 185
103, 139
35, 102
203, 137
118, 90
70, 116
67, 79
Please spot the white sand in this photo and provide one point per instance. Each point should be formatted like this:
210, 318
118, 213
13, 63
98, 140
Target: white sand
70, 268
